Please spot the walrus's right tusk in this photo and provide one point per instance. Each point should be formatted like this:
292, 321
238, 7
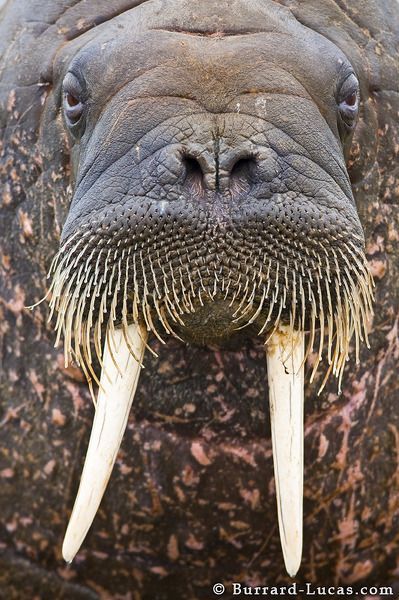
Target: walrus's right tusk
119, 379
285, 354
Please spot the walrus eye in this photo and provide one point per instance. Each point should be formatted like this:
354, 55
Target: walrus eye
73, 108
73, 103
348, 101
351, 100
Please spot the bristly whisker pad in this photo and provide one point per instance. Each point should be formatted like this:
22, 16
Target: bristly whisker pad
100, 283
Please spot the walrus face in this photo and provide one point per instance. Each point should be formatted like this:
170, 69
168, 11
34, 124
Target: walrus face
211, 202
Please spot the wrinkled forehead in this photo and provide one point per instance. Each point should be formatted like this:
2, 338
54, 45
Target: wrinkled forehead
208, 51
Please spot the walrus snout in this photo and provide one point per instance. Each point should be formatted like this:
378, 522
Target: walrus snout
233, 171
216, 224
203, 170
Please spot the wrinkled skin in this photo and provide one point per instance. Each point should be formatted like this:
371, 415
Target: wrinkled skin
191, 500
207, 153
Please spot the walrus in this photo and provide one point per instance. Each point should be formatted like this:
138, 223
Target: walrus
211, 188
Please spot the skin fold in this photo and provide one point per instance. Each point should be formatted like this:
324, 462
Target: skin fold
214, 129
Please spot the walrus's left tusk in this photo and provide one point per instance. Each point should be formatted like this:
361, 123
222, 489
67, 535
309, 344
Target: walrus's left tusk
118, 386
285, 354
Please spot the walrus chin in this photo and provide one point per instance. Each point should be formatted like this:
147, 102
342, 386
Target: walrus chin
109, 294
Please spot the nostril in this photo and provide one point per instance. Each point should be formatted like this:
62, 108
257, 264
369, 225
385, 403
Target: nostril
194, 172
244, 170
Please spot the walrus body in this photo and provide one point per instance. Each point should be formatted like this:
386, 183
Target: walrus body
213, 135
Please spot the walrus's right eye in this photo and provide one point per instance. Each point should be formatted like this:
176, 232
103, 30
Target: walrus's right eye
73, 103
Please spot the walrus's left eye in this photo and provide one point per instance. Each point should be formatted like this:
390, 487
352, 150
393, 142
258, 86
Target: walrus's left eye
73, 102
348, 101
73, 108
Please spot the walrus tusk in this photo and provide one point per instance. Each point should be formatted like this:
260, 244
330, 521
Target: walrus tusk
119, 379
285, 357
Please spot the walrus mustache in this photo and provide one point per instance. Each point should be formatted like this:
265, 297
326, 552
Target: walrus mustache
108, 299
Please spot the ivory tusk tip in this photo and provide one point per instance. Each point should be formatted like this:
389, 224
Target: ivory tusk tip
73, 540
293, 562
292, 571
292, 549
68, 554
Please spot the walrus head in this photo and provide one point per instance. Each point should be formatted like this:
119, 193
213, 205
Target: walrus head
211, 202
